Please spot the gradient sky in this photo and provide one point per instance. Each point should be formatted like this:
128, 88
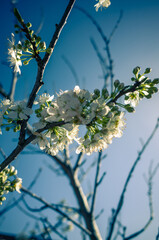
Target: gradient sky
135, 43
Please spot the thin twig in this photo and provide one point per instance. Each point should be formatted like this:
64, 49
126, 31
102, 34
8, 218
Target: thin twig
96, 181
72, 69
78, 162
116, 25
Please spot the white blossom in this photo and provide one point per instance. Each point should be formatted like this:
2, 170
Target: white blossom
20, 111
44, 98
102, 3
18, 184
133, 99
77, 107
41, 140
14, 55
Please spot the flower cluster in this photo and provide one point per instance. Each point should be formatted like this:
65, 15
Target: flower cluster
8, 182
99, 112
102, 3
11, 114
78, 107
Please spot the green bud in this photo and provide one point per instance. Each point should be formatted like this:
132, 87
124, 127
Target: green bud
28, 25
116, 83
16, 26
38, 39
136, 70
148, 81
26, 62
19, 46
133, 79
147, 70
148, 96
105, 93
97, 92
18, 16
129, 108
156, 81
42, 45
154, 89
121, 85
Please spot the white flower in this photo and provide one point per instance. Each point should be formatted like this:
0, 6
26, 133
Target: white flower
18, 184
19, 111
102, 3
133, 98
44, 98
41, 140
4, 105
14, 55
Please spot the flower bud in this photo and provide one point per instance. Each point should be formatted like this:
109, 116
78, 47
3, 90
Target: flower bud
28, 25
42, 45
147, 70
116, 83
136, 70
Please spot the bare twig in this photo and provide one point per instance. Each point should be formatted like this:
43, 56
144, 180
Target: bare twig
72, 69
116, 25
78, 162
121, 200
96, 181
157, 237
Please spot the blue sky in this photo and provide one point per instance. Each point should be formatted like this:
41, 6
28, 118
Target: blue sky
135, 43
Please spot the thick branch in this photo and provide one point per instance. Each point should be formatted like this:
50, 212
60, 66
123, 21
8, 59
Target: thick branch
59, 28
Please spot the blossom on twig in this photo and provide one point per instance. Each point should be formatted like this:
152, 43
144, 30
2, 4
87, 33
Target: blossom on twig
102, 3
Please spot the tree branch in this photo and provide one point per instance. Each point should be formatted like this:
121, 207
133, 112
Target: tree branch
121, 200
